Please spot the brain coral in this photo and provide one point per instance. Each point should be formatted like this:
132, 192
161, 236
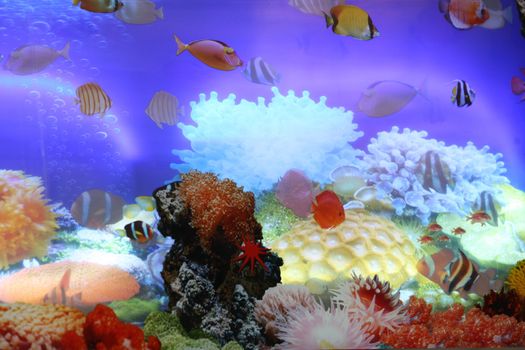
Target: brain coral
254, 143
27, 224
396, 163
364, 243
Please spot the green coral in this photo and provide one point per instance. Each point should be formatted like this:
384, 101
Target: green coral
433, 294
108, 242
135, 309
274, 218
173, 336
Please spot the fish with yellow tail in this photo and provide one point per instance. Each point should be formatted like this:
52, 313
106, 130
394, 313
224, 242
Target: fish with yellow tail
213, 53
349, 20
99, 6
59, 294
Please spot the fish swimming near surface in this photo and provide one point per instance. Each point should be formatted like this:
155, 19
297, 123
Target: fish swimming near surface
92, 99
259, 72
163, 108
315, 7
139, 12
464, 14
97, 208
349, 20
455, 271
99, 6
30, 59
139, 231
328, 210
520, 4
486, 204
59, 294
386, 97
462, 94
434, 173
213, 53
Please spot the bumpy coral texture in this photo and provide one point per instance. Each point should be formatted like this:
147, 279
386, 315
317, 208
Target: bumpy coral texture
218, 203
455, 329
27, 223
254, 144
394, 165
40, 326
516, 278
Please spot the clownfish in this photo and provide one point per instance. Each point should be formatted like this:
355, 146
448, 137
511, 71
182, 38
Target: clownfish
139, 231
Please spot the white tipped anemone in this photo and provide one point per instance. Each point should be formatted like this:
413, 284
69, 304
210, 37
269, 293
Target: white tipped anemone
323, 329
371, 302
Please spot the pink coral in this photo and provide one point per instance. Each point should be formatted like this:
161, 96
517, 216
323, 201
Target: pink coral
27, 223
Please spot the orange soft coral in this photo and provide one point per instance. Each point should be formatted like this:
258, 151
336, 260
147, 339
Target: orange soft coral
103, 330
454, 328
27, 223
219, 206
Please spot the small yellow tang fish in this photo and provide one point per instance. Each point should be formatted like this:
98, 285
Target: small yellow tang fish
351, 21
99, 6
213, 53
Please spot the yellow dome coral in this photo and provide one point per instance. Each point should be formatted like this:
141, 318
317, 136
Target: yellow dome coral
516, 278
27, 223
364, 243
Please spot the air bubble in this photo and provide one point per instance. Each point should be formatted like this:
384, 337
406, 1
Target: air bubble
34, 94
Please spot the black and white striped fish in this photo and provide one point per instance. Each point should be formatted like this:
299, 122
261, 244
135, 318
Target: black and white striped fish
462, 94
139, 231
92, 99
460, 273
434, 173
97, 208
315, 7
486, 204
260, 72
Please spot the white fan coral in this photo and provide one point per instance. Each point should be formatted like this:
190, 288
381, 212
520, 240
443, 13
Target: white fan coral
254, 144
423, 176
323, 329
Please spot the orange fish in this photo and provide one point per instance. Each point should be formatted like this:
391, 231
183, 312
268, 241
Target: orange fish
458, 231
59, 295
479, 217
213, 53
443, 238
434, 227
464, 14
328, 209
425, 239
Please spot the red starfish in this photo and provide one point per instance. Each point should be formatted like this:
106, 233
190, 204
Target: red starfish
251, 252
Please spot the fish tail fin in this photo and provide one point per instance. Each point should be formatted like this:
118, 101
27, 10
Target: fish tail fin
507, 14
160, 13
76, 2
181, 47
77, 101
328, 19
66, 278
65, 51
423, 88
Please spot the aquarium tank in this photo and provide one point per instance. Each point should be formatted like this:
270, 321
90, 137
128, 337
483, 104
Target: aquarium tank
262, 174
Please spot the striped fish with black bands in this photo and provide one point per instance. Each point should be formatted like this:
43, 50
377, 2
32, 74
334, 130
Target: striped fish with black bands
259, 71
520, 4
139, 231
486, 204
462, 274
462, 94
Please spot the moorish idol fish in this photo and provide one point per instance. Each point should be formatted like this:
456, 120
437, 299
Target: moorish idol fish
434, 173
462, 94
97, 208
139, 231
487, 205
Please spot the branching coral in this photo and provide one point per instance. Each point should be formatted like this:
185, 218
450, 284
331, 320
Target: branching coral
254, 143
424, 176
454, 328
24, 326
516, 278
27, 223
504, 303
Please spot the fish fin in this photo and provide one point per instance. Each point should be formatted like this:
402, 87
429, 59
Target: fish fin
76, 2
66, 278
65, 51
181, 47
443, 6
328, 20
102, 114
507, 14
457, 23
77, 101
423, 88
160, 13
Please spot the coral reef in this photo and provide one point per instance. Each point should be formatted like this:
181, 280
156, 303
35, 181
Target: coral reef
277, 303
173, 336
274, 218
504, 303
424, 176
258, 143
103, 330
516, 278
27, 223
364, 243
209, 219
97, 283
434, 295
134, 309
24, 326
65, 220
454, 328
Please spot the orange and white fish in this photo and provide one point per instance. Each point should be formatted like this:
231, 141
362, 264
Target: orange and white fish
464, 14
425, 239
455, 271
139, 231
99, 6
479, 217
213, 53
328, 210
434, 227
59, 295
443, 238
97, 208
459, 231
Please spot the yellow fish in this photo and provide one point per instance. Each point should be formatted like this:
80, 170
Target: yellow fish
351, 21
99, 6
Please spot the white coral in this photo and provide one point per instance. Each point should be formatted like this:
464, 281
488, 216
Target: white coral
392, 165
254, 144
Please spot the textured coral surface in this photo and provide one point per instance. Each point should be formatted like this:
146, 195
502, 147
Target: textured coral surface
40, 326
364, 243
27, 224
